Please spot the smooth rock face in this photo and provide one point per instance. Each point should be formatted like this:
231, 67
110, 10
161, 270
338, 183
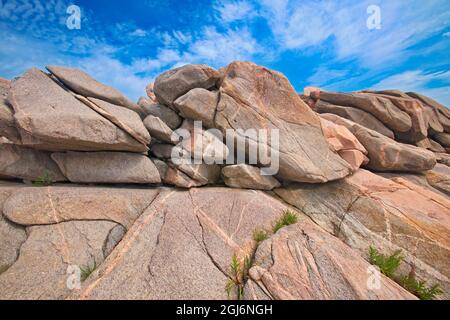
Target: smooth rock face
41, 206
356, 115
383, 109
302, 262
247, 177
41, 269
28, 164
107, 167
125, 119
159, 130
11, 236
167, 115
174, 83
181, 246
386, 154
198, 104
82, 83
50, 118
253, 97
366, 209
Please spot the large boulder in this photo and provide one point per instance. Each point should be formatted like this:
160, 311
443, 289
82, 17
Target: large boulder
386, 154
302, 262
253, 97
380, 107
107, 167
50, 118
167, 115
368, 210
198, 104
247, 177
174, 83
83, 84
159, 130
28, 164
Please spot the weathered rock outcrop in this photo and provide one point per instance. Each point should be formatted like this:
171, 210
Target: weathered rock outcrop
366, 209
380, 107
253, 97
142, 236
50, 118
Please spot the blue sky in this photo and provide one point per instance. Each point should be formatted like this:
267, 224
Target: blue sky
126, 44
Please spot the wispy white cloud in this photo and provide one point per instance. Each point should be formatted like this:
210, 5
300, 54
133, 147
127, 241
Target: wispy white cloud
309, 25
232, 10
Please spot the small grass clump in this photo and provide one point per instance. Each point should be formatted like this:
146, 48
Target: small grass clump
387, 265
260, 235
420, 288
239, 275
43, 180
87, 270
288, 218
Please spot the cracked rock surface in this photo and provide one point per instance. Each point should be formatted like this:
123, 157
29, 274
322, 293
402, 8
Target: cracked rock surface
302, 262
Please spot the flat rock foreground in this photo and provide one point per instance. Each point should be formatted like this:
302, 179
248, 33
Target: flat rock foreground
95, 206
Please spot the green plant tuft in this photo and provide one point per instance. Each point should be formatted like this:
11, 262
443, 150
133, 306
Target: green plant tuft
260, 235
387, 265
420, 289
288, 218
87, 270
43, 180
239, 275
